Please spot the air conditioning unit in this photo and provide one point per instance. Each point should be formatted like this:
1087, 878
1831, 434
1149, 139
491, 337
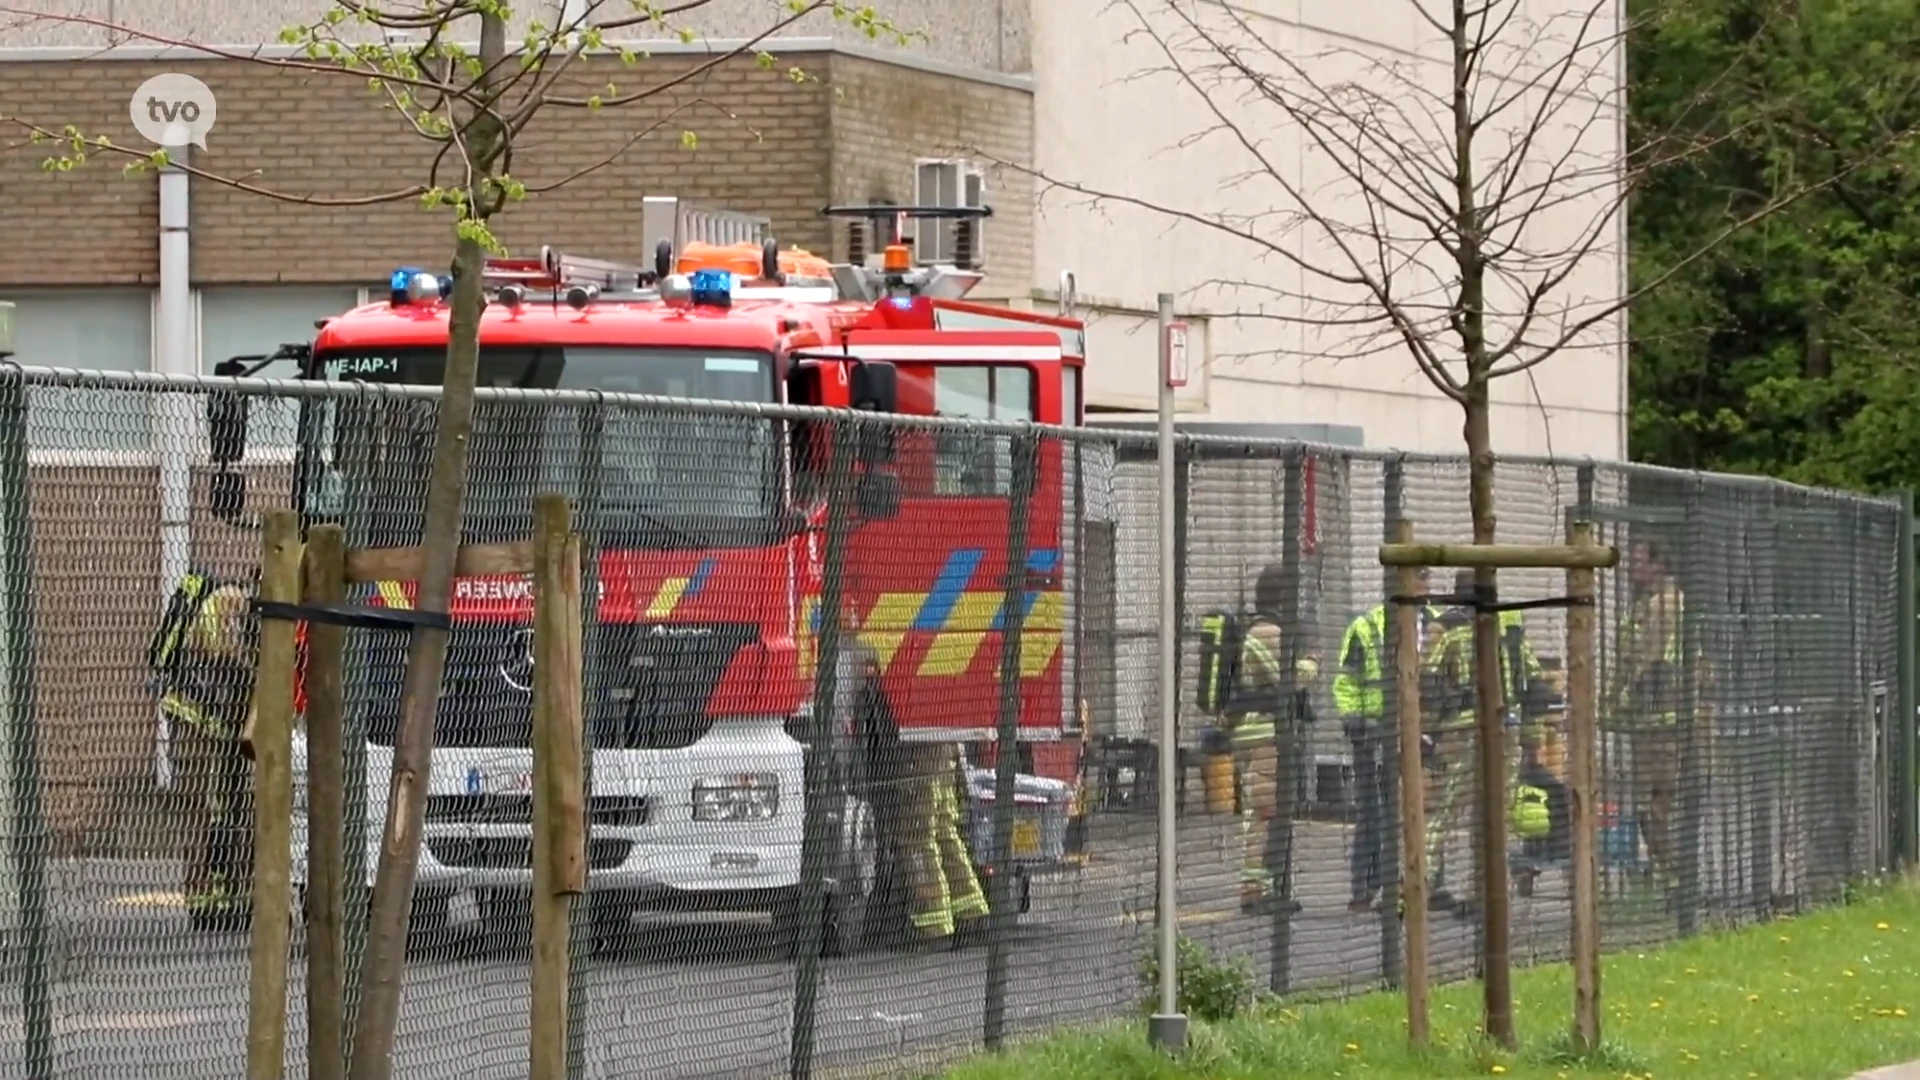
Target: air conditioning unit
950, 182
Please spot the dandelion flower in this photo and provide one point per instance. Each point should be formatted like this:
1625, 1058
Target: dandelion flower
1900, 1012
1497, 1070
1881, 926
1353, 1048
1848, 972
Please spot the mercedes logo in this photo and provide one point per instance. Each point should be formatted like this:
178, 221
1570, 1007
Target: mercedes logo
516, 660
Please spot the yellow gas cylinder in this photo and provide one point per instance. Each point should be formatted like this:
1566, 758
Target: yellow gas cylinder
1216, 772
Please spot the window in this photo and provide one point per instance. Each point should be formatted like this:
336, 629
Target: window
977, 463
1069, 395
948, 183
92, 329
706, 469
255, 320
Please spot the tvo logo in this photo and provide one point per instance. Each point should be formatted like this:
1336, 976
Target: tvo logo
173, 110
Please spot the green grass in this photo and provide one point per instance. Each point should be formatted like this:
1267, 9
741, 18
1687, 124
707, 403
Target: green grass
1818, 997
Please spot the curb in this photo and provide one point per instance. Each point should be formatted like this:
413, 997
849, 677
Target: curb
1909, 1071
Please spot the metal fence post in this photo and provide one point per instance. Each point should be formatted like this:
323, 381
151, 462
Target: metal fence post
1906, 836
1387, 738
1001, 899
1167, 1027
818, 839
22, 732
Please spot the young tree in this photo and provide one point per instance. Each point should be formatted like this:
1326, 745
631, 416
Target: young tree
470, 105
1465, 210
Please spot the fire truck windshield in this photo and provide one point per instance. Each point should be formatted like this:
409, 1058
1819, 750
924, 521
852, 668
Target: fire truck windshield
666, 477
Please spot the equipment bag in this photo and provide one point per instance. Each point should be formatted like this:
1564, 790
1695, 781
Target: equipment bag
1220, 634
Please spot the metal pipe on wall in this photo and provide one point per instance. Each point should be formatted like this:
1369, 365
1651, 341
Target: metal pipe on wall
174, 421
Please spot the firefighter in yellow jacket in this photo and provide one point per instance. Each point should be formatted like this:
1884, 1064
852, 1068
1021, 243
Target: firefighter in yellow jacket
1451, 724
1266, 754
1653, 681
204, 657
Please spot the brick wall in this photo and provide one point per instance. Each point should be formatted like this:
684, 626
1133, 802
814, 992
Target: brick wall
322, 135
884, 116
780, 147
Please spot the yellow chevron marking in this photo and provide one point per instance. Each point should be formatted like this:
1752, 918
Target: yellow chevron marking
894, 611
1049, 612
667, 598
392, 595
951, 654
1036, 652
886, 625
803, 636
974, 611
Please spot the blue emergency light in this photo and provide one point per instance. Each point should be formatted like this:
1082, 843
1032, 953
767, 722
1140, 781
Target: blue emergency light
411, 285
712, 288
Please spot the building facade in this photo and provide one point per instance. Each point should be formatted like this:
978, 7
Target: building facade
836, 120
1112, 116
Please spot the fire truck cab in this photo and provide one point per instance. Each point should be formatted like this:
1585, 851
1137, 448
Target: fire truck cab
708, 532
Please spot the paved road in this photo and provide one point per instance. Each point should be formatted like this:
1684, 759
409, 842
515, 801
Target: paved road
136, 996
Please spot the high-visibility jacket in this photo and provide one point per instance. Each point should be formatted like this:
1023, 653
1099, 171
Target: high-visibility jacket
1453, 661
203, 654
1359, 690
1652, 656
1259, 676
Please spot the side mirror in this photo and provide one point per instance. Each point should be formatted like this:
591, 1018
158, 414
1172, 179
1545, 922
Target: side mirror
227, 417
874, 386
878, 498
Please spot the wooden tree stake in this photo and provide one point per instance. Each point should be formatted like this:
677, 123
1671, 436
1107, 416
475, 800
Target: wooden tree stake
1413, 809
273, 791
326, 809
1581, 722
559, 778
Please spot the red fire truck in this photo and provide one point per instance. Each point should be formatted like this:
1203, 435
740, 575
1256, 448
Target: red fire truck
710, 556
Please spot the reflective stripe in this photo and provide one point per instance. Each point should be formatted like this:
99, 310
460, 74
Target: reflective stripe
1253, 648
1253, 728
189, 711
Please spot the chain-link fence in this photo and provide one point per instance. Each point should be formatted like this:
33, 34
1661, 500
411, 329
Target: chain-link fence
1755, 673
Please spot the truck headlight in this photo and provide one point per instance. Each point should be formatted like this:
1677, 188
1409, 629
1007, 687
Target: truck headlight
741, 797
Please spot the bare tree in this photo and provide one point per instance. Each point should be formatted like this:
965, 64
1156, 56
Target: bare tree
1461, 203
470, 106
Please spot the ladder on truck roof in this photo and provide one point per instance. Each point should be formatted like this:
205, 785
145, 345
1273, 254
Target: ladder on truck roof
679, 222
692, 243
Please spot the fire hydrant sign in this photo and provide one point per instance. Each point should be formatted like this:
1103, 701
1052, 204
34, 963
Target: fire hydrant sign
1176, 351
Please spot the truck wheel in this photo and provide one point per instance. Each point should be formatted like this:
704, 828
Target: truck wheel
850, 903
848, 907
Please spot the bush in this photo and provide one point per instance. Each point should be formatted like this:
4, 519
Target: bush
1210, 988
